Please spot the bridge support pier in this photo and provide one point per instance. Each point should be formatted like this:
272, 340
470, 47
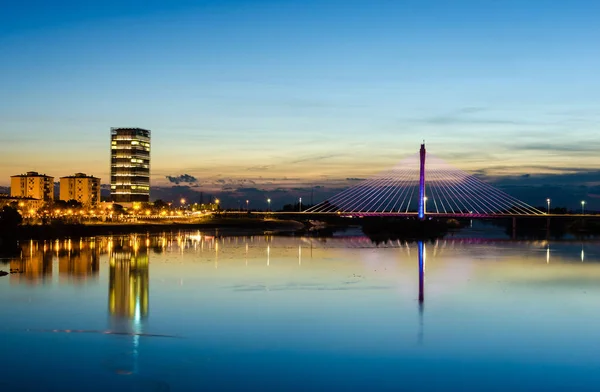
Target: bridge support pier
514, 227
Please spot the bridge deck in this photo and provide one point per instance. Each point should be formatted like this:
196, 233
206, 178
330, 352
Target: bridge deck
414, 214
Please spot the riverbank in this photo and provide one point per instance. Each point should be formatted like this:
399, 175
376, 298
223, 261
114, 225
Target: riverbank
230, 226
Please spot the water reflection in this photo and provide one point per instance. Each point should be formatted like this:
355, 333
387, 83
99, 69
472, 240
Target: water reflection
421, 251
34, 266
284, 301
78, 260
128, 288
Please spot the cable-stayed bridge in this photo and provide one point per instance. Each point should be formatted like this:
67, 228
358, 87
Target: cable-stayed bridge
423, 185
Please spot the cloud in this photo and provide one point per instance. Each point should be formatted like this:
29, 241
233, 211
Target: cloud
313, 158
468, 116
259, 168
182, 179
471, 109
561, 147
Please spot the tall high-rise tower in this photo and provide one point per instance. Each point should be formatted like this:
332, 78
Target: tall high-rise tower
129, 165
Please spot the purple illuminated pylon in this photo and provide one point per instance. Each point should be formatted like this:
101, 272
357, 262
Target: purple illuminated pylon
422, 184
421, 251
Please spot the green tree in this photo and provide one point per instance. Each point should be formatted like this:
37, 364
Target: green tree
160, 204
9, 219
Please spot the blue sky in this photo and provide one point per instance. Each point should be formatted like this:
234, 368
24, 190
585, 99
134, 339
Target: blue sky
288, 92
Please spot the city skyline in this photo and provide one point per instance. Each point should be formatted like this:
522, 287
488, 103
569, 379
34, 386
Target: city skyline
272, 95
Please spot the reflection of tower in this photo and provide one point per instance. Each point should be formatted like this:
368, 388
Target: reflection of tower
128, 293
421, 270
128, 285
422, 258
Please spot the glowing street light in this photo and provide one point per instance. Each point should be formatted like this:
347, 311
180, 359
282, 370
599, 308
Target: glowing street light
247, 203
269, 204
300, 204
548, 201
583, 207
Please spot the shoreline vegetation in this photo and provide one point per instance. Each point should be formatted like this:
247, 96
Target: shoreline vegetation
379, 229
230, 225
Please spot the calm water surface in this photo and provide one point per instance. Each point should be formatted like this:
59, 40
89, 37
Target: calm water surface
194, 312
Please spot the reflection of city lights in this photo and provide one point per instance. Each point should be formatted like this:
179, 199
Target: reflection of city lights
128, 285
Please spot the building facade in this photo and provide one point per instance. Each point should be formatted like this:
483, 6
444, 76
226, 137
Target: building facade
84, 189
130, 165
32, 185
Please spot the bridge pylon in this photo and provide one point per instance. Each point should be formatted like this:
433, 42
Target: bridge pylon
422, 154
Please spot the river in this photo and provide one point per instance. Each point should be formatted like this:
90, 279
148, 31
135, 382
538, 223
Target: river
191, 311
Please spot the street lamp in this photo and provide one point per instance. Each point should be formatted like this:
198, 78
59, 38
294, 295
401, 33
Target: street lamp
182, 201
300, 204
247, 208
269, 204
548, 201
583, 207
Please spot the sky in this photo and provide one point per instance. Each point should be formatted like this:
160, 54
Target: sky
282, 93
